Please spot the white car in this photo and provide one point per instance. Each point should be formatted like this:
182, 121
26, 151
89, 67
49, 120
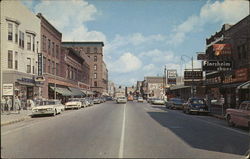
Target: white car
121, 100
73, 105
47, 107
158, 102
140, 99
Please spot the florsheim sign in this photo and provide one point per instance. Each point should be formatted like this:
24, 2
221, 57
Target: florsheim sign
216, 65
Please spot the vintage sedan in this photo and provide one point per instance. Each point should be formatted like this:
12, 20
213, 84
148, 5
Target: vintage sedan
241, 116
175, 103
195, 105
158, 102
47, 107
140, 99
75, 104
121, 100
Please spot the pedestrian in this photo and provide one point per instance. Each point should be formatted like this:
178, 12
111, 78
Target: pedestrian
17, 105
3, 104
9, 104
32, 104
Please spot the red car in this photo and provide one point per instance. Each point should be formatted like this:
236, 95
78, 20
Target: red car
241, 116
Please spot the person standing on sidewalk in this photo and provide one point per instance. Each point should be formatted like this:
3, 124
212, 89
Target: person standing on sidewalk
3, 104
9, 104
17, 105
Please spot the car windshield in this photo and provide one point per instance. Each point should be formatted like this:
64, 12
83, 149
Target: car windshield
178, 100
197, 101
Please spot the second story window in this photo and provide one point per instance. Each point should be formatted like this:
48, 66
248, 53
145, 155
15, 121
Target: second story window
28, 42
95, 58
16, 60
44, 64
53, 67
49, 46
10, 59
10, 31
28, 65
33, 43
57, 51
95, 75
95, 67
44, 43
16, 33
53, 49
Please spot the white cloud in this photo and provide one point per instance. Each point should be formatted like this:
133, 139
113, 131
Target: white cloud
149, 67
126, 63
228, 11
69, 18
159, 56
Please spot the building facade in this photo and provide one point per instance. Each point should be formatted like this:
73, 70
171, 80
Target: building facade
153, 87
111, 88
98, 72
20, 45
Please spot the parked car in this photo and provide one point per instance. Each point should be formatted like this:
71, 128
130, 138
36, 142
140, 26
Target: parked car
47, 107
109, 98
158, 102
239, 116
140, 99
74, 104
121, 100
175, 103
150, 100
195, 105
96, 101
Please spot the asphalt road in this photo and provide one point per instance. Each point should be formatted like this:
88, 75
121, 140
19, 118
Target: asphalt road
132, 130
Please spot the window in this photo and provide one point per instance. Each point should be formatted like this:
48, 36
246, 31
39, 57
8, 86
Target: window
33, 66
57, 69
16, 33
48, 66
28, 42
53, 67
57, 51
53, 49
95, 84
88, 50
44, 64
95, 75
33, 42
95, 58
95, 50
68, 71
95, 67
20, 38
44, 43
28, 65
10, 31
16, 60
10, 59
49, 46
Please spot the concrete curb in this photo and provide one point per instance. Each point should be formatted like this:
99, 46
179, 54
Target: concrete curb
14, 121
218, 116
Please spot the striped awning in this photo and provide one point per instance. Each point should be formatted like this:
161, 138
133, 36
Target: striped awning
62, 91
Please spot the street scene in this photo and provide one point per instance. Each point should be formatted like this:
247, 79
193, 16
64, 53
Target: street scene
125, 79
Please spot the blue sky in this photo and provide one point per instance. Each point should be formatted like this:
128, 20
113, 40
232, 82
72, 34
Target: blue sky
142, 36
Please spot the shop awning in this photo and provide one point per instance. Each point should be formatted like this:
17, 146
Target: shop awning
87, 92
245, 85
76, 91
62, 91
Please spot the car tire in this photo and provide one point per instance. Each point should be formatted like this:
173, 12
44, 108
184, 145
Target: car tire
229, 122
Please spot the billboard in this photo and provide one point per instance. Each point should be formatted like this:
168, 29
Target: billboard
216, 65
222, 49
193, 74
171, 76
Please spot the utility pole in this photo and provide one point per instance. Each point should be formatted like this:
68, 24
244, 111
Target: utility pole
192, 76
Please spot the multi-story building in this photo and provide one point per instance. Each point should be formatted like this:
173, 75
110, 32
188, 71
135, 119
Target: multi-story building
153, 86
20, 45
111, 88
98, 71
231, 85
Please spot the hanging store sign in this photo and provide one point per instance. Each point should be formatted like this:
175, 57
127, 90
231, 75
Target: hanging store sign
216, 65
222, 49
8, 89
40, 64
202, 57
193, 75
241, 75
171, 76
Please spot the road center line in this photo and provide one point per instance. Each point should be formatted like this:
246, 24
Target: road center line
122, 134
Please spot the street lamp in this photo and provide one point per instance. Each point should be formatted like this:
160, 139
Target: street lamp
192, 59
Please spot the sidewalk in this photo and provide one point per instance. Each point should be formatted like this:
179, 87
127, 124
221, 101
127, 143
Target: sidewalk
14, 117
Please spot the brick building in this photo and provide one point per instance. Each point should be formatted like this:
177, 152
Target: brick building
98, 71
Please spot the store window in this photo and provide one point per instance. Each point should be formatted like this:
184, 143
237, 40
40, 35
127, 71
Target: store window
28, 65
10, 59
28, 42
10, 31
16, 60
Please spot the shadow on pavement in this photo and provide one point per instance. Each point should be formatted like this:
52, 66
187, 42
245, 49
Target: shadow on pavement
200, 135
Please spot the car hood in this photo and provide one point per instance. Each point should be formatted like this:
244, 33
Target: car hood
72, 103
44, 107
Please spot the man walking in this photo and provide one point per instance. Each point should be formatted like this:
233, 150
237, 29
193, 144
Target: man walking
17, 105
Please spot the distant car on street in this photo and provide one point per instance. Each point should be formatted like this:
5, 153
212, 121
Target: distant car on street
175, 103
74, 104
140, 99
239, 116
121, 100
158, 101
96, 101
47, 107
195, 105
